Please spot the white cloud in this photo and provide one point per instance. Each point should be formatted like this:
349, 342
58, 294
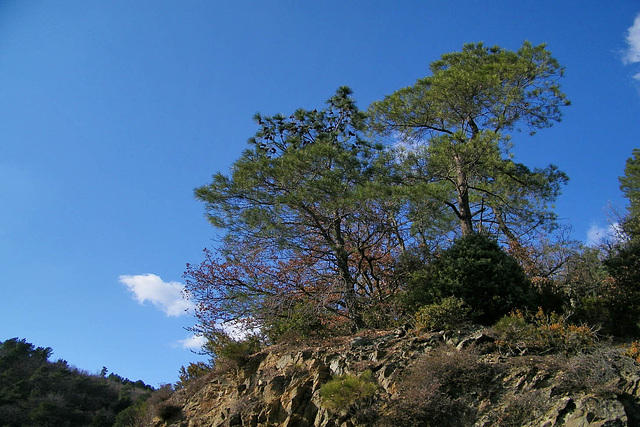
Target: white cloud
194, 342
597, 235
167, 296
632, 55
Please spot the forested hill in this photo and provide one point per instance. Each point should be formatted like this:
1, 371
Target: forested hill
37, 392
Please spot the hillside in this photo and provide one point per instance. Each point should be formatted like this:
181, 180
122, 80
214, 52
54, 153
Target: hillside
411, 212
37, 392
407, 378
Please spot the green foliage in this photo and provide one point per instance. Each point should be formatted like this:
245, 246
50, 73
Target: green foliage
239, 350
583, 274
462, 112
301, 320
618, 302
316, 217
583, 288
599, 287
37, 392
630, 186
449, 313
476, 270
342, 392
192, 372
158, 404
595, 310
300, 209
222, 346
128, 416
540, 333
622, 299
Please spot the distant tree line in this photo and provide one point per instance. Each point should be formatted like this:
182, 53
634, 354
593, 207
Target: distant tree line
37, 392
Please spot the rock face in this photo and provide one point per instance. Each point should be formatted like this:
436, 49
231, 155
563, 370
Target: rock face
423, 379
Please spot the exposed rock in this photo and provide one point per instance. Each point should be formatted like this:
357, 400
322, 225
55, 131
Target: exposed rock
281, 385
588, 410
476, 339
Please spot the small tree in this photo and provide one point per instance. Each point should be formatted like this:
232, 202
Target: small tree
622, 296
630, 186
621, 302
305, 219
476, 270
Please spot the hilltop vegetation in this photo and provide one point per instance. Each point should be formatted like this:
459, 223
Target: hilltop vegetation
338, 220
37, 392
412, 216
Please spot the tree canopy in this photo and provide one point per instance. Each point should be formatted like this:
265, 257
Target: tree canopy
304, 217
630, 186
461, 115
321, 223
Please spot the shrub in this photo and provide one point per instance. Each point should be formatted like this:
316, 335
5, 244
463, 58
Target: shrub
440, 390
595, 310
192, 372
129, 416
583, 274
220, 345
168, 410
342, 392
476, 270
539, 333
623, 295
156, 405
300, 321
633, 351
383, 315
447, 314
519, 409
595, 373
239, 350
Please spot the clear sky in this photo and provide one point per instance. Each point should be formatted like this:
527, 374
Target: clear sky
112, 112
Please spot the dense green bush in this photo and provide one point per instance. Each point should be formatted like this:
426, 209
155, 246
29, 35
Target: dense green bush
192, 372
476, 270
446, 314
342, 392
540, 333
622, 300
236, 350
300, 321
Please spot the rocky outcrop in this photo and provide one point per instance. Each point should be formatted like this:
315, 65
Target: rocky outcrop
281, 385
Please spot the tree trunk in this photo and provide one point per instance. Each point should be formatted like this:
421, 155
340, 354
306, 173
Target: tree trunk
504, 229
462, 189
348, 283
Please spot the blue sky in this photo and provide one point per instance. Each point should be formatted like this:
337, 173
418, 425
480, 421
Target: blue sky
113, 112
